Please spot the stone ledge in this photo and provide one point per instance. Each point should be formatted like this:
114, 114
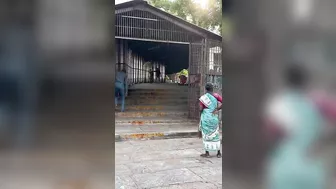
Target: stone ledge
156, 135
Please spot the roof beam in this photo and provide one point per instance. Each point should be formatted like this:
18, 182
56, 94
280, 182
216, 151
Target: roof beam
120, 11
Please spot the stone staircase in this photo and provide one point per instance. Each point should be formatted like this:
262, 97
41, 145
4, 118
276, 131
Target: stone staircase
155, 111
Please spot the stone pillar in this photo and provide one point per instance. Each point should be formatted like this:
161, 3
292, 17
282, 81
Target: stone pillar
244, 89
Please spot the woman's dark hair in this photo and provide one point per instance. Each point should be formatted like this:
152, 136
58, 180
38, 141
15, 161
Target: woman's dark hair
296, 76
209, 87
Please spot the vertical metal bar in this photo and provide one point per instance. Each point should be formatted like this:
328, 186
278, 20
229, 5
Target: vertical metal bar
155, 30
178, 36
122, 26
145, 34
117, 54
163, 30
131, 24
205, 65
166, 30
117, 25
126, 54
170, 32
135, 25
141, 24
143, 70
133, 57
121, 54
140, 68
189, 85
139, 60
173, 31
135, 68
158, 29
133, 76
148, 26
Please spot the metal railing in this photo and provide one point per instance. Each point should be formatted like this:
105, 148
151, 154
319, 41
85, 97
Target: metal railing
134, 75
145, 25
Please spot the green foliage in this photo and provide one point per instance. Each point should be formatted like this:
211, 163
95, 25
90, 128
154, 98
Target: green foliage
209, 18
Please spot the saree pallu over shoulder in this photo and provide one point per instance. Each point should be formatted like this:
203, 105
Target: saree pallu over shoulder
206, 100
209, 123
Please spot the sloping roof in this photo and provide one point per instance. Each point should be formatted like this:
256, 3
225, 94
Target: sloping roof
140, 3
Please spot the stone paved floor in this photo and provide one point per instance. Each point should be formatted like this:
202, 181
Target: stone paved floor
56, 170
166, 164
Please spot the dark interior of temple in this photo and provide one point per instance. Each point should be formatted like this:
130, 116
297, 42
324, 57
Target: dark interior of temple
174, 56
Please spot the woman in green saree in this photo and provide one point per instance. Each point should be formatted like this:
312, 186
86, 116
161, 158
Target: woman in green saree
294, 125
209, 123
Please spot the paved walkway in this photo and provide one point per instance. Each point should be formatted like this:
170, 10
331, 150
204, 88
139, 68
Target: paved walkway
166, 164
60, 169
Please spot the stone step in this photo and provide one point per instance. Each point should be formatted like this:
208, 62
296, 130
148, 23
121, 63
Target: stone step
155, 135
159, 93
141, 114
156, 108
146, 132
135, 101
150, 132
119, 129
156, 121
157, 97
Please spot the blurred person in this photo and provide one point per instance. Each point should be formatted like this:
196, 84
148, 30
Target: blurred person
326, 103
294, 126
209, 122
183, 79
158, 74
120, 88
151, 76
19, 81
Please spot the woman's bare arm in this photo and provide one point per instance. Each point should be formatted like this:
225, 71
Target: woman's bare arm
220, 100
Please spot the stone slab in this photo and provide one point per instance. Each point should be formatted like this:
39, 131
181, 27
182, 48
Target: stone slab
165, 178
171, 163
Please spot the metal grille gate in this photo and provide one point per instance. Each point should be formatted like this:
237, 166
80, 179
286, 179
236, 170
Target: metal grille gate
205, 65
196, 57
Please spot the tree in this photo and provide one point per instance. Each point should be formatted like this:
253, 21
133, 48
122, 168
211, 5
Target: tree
209, 17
